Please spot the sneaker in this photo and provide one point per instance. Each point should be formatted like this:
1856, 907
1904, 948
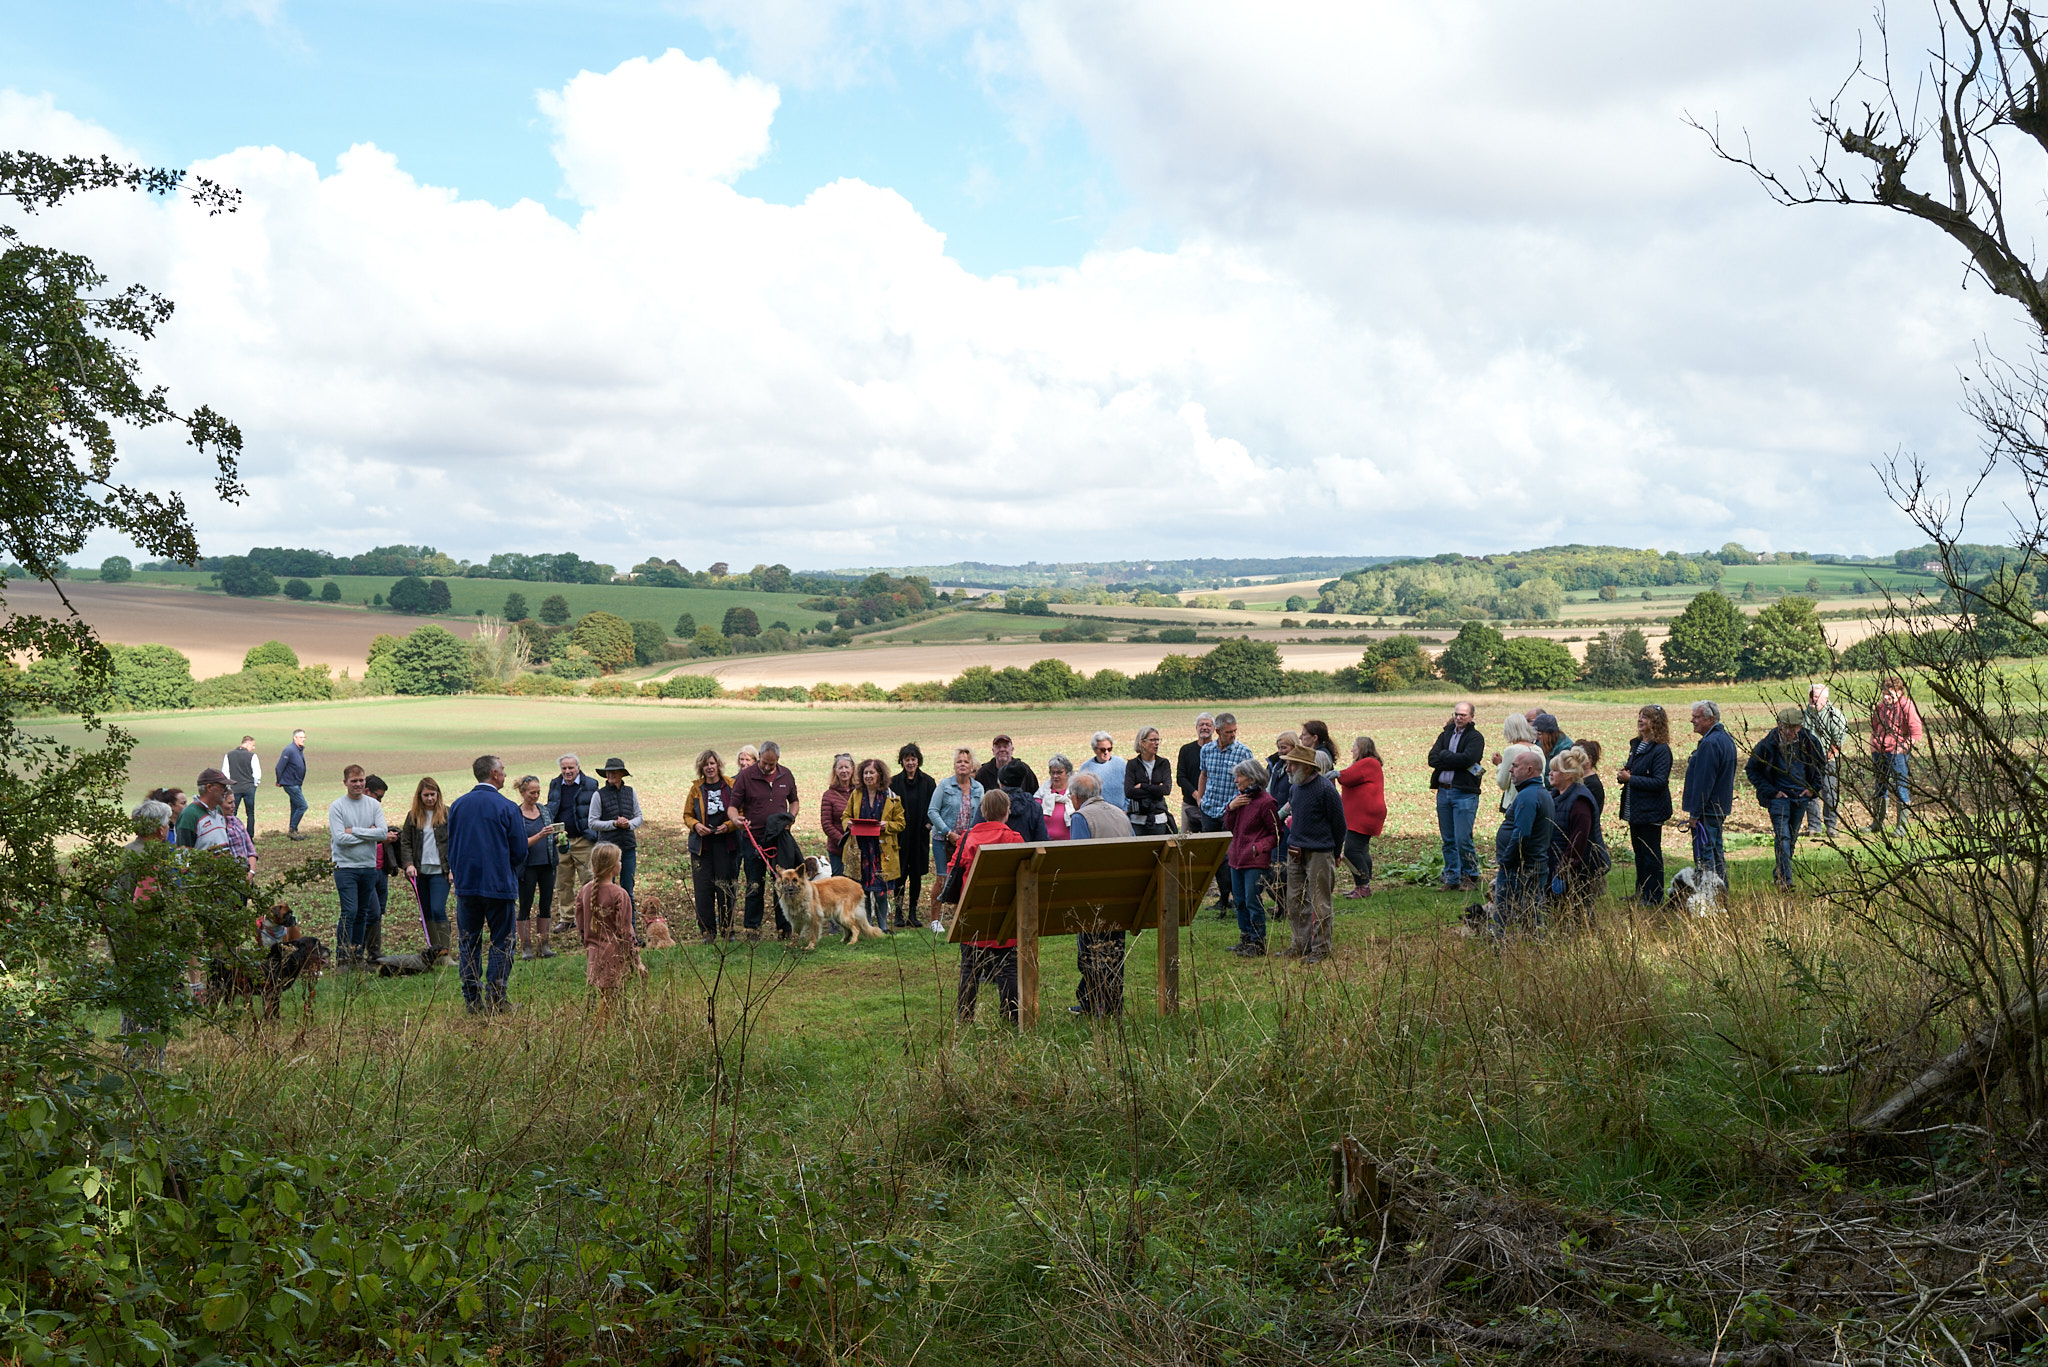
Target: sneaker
938, 927
1077, 1010
1469, 885
295, 836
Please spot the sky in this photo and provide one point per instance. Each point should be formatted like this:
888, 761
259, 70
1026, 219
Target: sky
853, 282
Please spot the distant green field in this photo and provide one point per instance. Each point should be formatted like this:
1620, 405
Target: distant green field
469, 595
1836, 582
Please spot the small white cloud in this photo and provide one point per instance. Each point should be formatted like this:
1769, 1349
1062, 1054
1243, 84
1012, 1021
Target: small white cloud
646, 123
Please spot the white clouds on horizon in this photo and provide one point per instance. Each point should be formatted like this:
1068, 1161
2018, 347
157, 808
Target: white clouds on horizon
1359, 343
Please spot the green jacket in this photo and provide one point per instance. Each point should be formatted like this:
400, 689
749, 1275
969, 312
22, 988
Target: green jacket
1828, 726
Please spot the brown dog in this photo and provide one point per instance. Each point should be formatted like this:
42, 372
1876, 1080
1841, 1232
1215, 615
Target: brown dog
808, 905
658, 936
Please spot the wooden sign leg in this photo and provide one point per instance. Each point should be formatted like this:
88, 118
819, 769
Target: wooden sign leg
1169, 929
1027, 943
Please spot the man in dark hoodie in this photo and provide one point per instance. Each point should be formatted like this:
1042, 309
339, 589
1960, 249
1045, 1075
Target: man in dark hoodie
1026, 817
1709, 789
1787, 768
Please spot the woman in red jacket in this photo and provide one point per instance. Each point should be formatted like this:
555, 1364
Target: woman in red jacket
1365, 811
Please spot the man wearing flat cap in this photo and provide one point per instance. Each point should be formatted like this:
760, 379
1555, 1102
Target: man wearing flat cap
1786, 768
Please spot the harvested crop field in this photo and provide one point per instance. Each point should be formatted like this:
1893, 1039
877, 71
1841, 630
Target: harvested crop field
215, 631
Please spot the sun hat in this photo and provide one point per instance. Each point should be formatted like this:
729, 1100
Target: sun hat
615, 765
1306, 754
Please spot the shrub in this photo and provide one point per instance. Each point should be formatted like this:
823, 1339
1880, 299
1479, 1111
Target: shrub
574, 663
1239, 669
438, 597
740, 622
330, 592
1535, 662
1105, 684
411, 595
708, 641
1618, 661
150, 678
648, 640
538, 686
1473, 658
1297, 603
239, 578
1784, 642
929, 690
1397, 663
1705, 641
613, 688
1177, 636
268, 683
691, 686
976, 683
686, 626
554, 610
515, 606
1298, 681
1171, 680
431, 661
271, 653
298, 590
607, 638
116, 569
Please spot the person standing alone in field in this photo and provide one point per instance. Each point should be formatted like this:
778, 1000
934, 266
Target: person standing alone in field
291, 779
1894, 730
245, 776
1456, 775
486, 847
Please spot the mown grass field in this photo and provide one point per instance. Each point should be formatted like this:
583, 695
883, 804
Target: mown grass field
468, 596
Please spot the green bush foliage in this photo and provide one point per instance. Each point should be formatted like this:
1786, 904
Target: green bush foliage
1473, 658
708, 641
150, 678
1177, 636
1107, 684
411, 595
1705, 641
740, 621
1784, 641
607, 638
330, 592
691, 686
240, 579
430, 661
515, 607
649, 640
554, 610
439, 599
270, 653
298, 590
686, 626
1618, 660
1393, 665
116, 569
538, 686
1171, 680
1240, 669
264, 684
1535, 663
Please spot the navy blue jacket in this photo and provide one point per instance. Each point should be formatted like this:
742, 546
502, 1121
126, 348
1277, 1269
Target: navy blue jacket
1710, 775
1316, 817
1026, 817
571, 814
291, 766
1646, 797
1526, 831
486, 844
1775, 767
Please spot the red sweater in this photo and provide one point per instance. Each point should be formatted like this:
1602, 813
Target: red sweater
986, 833
1365, 796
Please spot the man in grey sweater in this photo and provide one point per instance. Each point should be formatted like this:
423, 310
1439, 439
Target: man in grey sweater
355, 830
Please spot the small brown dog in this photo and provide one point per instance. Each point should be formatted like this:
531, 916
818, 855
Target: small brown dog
658, 937
809, 904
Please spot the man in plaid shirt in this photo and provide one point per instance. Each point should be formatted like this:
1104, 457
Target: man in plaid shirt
1220, 758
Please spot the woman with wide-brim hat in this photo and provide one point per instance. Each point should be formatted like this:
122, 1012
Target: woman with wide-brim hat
614, 819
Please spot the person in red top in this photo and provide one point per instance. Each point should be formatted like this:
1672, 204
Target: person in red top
1364, 788
1253, 820
988, 960
1894, 730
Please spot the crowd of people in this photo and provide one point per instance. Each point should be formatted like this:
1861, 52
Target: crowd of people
523, 867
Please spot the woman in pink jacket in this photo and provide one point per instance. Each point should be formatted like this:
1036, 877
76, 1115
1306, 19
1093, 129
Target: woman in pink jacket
1894, 730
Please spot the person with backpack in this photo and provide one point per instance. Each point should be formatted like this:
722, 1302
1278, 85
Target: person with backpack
1578, 852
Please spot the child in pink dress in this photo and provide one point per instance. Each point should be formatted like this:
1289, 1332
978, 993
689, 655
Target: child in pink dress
604, 925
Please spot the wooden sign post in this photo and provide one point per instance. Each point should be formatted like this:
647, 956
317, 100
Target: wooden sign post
1067, 887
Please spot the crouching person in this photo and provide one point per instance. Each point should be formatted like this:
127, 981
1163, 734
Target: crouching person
991, 961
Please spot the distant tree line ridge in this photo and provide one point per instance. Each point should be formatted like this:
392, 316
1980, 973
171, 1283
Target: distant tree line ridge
565, 567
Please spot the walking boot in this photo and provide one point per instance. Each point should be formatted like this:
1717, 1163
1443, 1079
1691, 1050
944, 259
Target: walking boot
439, 942
540, 939
526, 939
373, 944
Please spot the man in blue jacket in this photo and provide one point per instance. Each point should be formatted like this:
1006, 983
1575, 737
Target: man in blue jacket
1709, 789
486, 846
1785, 768
290, 774
1521, 848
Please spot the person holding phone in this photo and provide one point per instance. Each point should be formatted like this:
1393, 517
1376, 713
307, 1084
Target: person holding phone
537, 874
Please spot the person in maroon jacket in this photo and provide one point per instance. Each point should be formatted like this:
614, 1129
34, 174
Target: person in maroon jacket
763, 790
1253, 820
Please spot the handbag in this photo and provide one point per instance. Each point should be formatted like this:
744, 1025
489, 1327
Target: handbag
956, 879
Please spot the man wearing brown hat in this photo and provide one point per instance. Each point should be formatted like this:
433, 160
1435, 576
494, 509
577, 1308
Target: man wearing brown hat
1786, 769
203, 824
1314, 834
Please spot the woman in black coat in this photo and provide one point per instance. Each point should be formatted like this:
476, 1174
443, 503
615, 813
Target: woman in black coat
914, 847
1646, 800
1148, 780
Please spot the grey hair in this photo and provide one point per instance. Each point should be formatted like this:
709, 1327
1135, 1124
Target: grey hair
1708, 706
485, 766
569, 759
1504, 777
1516, 730
1138, 741
1205, 716
1821, 689
1251, 770
1100, 735
768, 747
1059, 762
151, 817
1226, 718
1086, 788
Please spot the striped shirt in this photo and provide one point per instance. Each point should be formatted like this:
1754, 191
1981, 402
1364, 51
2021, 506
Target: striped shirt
1219, 782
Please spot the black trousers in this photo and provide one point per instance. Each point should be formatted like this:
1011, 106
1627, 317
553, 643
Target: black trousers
1646, 839
1358, 854
758, 895
978, 966
1101, 961
908, 889
713, 875
536, 880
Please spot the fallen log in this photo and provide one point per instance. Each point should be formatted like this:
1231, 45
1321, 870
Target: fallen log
2024, 1313
1963, 1068
1586, 1346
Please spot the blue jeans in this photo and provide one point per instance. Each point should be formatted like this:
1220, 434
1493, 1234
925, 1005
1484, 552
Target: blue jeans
298, 801
1891, 774
473, 916
1247, 895
356, 889
434, 896
1455, 814
1786, 814
1708, 853
236, 801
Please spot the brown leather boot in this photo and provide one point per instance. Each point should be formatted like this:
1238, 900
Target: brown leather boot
525, 940
540, 939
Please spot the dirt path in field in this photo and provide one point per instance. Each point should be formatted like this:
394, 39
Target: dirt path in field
213, 630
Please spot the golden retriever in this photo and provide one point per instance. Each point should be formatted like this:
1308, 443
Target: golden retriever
809, 904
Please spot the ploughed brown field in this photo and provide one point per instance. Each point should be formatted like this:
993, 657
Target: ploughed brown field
213, 630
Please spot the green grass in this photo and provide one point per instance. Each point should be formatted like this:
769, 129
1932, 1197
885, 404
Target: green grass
469, 595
